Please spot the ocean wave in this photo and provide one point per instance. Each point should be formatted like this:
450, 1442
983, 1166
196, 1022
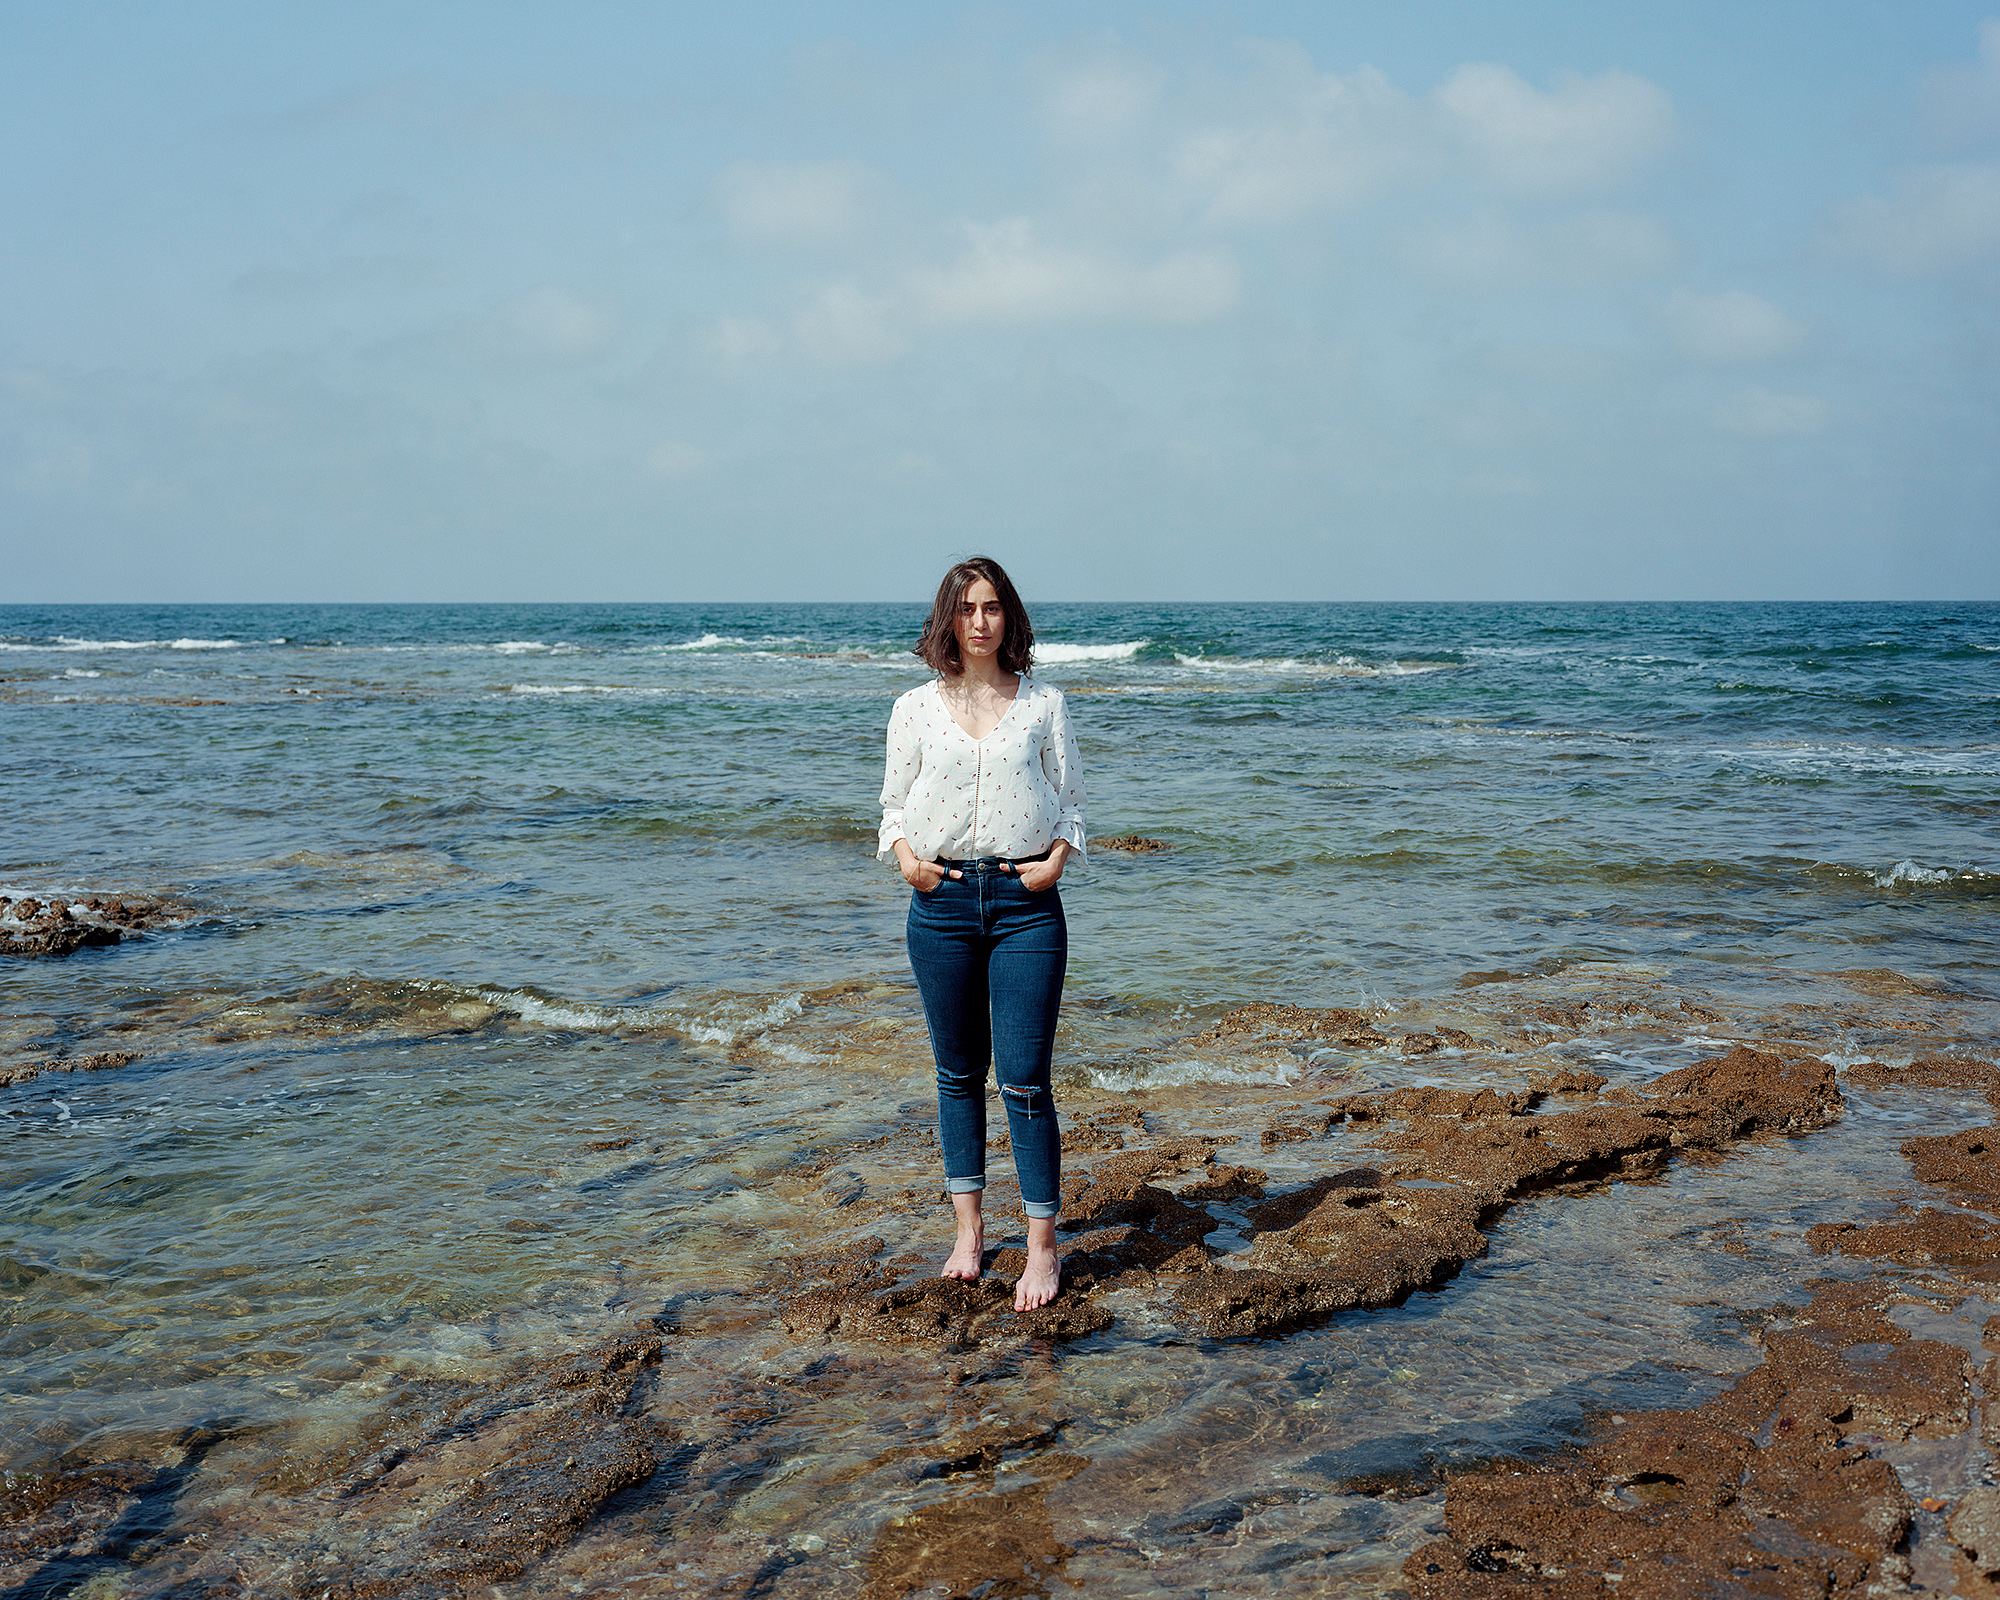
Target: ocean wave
728, 1021
1967, 761
1046, 654
1180, 1074
578, 688
1293, 666
1909, 872
733, 641
725, 1025
65, 643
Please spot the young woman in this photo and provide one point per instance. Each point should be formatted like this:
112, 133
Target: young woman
981, 807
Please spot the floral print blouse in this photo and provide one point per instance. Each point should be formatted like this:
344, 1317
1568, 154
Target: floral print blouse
1013, 793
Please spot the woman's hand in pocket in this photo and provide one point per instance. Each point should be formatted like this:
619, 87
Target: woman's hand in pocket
1036, 876
922, 876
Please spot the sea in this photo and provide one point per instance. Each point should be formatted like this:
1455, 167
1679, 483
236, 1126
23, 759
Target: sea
523, 970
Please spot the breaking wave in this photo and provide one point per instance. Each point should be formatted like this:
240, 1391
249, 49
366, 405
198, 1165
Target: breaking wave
1046, 654
1180, 1074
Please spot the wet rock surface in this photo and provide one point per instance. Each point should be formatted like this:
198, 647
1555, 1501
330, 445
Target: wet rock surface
1779, 1487
709, 1441
59, 925
1764, 1491
102, 1061
464, 1485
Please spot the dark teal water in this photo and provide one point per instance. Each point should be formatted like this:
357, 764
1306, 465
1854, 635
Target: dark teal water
1362, 799
470, 890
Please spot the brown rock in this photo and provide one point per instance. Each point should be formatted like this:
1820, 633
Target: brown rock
1295, 1131
1265, 1020
998, 1547
1755, 1494
1968, 1162
560, 1443
101, 1062
1569, 1080
1975, 1529
1885, 984
1130, 843
1922, 1237
1227, 1183
1749, 1091
1927, 1072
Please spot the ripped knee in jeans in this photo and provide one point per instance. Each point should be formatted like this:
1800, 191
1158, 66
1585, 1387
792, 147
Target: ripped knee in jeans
1032, 1100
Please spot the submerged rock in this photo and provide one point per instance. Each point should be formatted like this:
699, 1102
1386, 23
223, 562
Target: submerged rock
1359, 1238
1759, 1492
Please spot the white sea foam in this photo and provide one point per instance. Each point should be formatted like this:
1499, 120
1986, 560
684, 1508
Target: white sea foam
562, 1013
64, 643
1046, 654
715, 1026
1178, 1074
734, 641
1292, 666
1850, 1054
727, 1030
1910, 872
630, 690
1806, 756
709, 641
797, 1056
79, 672
519, 647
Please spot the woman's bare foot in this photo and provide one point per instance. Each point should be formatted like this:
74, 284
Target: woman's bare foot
968, 1257
1041, 1278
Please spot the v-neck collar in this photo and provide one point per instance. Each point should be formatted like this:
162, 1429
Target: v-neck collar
1020, 693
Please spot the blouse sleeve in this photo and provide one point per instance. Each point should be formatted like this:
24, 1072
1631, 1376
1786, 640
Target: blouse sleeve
1065, 775
905, 757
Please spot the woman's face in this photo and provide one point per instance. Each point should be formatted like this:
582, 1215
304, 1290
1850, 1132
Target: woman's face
981, 623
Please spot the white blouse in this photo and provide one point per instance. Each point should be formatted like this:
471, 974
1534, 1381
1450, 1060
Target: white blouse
1013, 793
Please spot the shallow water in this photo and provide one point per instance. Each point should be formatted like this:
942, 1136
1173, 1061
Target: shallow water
534, 978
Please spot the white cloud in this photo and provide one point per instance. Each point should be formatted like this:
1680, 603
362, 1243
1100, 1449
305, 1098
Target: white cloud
845, 325
1333, 142
58, 466
352, 274
1939, 217
1734, 327
1100, 100
1960, 106
1760, 414
1585, 134
799, 203
553, 324
1006, 274
1329, 141
1496, 251
673, 460
743, 338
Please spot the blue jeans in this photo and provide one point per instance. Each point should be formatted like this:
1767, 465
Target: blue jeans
989, 956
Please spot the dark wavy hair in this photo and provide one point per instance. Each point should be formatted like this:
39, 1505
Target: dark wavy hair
937, 645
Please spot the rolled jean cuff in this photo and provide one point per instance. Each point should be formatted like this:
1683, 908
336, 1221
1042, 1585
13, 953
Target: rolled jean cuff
965, 1185
1042, 1209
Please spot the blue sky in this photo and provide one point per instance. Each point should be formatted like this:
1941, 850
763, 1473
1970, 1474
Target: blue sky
665, 302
